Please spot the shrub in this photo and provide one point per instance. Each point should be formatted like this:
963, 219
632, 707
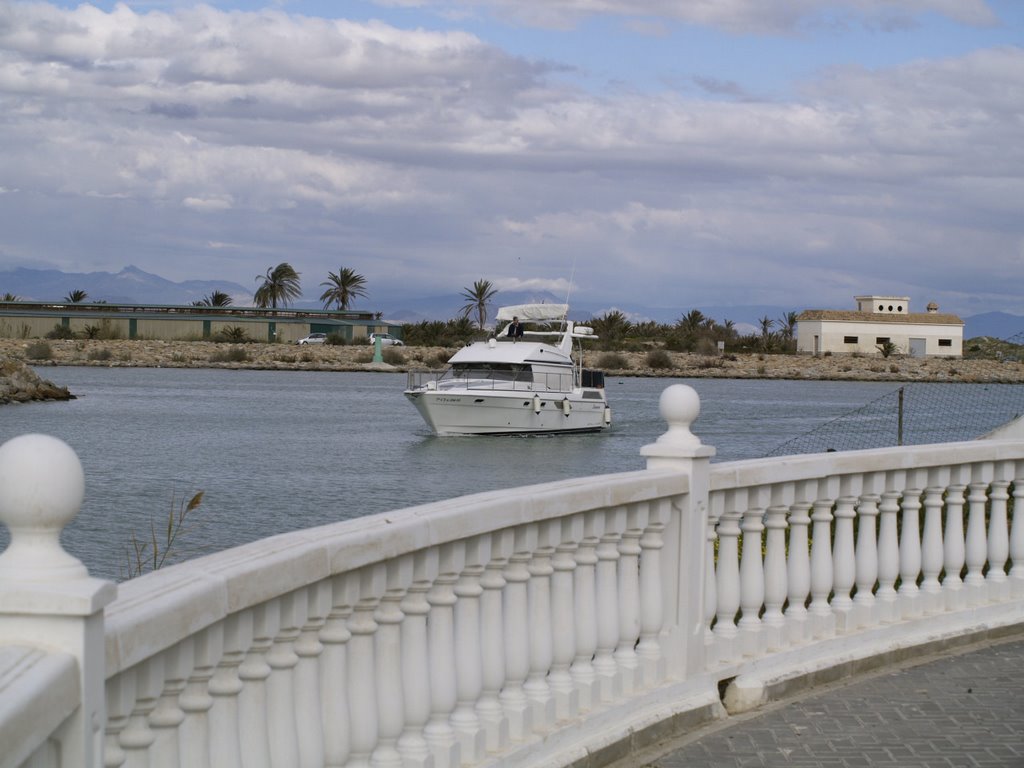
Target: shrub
100, 354
659, 359
612, 361
38, 350
232, 355
233, 334
60, 332
392, 356
336, 339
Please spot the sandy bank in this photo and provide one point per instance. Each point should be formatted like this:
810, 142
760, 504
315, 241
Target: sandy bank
186, 354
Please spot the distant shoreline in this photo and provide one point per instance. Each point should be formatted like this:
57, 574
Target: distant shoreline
200, 354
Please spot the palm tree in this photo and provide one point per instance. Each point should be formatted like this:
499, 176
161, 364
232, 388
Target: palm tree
215, 299
76, 296
478, 297
787, 326
280, 286
10, 297
612, 326
342, 288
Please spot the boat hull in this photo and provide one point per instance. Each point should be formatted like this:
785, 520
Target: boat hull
511, 413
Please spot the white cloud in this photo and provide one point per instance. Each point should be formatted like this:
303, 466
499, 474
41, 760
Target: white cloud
430, 159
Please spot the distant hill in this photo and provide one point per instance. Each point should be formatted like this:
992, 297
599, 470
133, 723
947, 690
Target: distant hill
134, 286
129, 286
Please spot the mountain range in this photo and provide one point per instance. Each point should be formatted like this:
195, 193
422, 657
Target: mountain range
134, 286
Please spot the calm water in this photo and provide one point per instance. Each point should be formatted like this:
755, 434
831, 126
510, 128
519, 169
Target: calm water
279, 451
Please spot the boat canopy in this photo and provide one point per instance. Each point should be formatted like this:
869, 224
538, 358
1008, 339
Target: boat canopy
537, 313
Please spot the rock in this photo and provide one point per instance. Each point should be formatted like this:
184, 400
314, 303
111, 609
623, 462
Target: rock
20, 384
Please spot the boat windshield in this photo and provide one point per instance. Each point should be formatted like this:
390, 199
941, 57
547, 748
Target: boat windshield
492, 371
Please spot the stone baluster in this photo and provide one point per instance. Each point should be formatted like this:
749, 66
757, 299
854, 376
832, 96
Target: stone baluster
608, 605
775, 586
1017, 533
252, 700
120, 696
282, 659
308, 695
798, 568
225, 688
844, 556
167, 716
727, 576
335, 637
585, 613
517, 639
953, 552
910, 549
998, 535
539, 600
196, 701
752, 573
652, 595
563, 636
412, 745
888, 553
629, 598
492, 642
820, 612
468, 653
440, 736
931, 543
137, 736
716, 508
976, 548
867, 557
387, 649
362, 668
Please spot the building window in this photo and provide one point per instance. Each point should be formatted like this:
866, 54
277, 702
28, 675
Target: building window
945, 342
882, 340
849, 339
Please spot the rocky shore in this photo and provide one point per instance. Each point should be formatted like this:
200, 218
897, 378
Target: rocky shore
204, 354
20, 384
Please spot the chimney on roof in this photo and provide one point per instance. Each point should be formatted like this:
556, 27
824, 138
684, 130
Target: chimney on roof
932, 307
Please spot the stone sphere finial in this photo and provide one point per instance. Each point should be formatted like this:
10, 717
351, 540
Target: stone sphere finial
680, 407
42, 486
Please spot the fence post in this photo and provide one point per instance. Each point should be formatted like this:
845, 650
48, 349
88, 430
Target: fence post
686, 535
47, 599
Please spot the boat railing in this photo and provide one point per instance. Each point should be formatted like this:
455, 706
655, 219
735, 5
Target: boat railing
526, 381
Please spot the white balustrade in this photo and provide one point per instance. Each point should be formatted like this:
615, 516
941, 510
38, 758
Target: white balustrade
500, 626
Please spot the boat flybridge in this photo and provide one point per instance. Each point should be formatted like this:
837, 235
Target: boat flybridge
509, 385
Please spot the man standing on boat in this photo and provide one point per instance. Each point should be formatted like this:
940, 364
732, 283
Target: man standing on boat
515, 329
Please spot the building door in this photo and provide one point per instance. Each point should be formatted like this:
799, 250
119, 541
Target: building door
917, 347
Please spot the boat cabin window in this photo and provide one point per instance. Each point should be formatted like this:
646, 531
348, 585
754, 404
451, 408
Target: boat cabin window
493, 371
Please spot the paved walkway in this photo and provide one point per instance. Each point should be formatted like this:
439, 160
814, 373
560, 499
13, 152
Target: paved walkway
955, 711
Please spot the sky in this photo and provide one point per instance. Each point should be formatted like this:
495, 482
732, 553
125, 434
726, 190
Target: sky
627, 153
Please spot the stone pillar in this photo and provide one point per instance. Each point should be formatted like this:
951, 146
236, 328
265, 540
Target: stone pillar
685, 537
45, 593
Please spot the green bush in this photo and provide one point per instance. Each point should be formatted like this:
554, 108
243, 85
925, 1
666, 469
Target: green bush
659, 359
232, 355
392, 356
232, 335
612, 361
336, 339
38, 350
60, 332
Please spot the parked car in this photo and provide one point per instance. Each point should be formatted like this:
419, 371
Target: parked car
386, 339
313, 338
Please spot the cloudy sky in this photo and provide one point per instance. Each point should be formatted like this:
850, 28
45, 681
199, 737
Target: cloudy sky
669, 153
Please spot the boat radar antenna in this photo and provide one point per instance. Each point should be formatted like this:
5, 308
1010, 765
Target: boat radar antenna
568, 290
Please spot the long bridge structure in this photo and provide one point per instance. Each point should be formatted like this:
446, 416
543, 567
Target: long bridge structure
563, 624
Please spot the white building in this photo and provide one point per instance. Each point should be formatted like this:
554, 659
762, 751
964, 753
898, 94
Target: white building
879, 320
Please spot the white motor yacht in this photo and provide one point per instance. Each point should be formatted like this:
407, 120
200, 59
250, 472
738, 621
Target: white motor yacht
509, 385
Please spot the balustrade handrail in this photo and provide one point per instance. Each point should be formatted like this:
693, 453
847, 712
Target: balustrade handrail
457, 632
